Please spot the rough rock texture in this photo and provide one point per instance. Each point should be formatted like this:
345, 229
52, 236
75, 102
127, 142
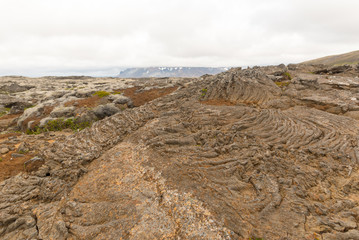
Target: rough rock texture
106, 110
232, 156
71, 97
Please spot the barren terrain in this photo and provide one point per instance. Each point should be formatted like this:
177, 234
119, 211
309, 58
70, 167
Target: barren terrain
337, 60
264, 152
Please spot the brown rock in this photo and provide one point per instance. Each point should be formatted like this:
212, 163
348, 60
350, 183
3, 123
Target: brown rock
352, 114
4, 150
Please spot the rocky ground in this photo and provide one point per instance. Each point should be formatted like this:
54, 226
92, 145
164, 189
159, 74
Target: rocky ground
265, 152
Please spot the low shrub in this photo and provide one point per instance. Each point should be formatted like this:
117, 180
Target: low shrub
203, 92
287, 76
58, 125
2, 113
282, 84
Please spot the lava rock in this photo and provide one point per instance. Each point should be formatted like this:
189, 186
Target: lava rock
59, 112
106, 110
4, 150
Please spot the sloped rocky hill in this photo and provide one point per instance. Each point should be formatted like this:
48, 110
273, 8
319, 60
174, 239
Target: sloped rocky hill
268, 152
350, 58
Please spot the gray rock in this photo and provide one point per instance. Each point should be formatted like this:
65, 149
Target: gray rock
88, 116
16, 109
23, 148
130, 104
30, 125
122, 100
17, 155
44, 121
35, 111
14, 88
58, 94
106, 110
84, 93
60, 112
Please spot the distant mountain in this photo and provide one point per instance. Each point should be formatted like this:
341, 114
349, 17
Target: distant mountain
350, 58
169, 72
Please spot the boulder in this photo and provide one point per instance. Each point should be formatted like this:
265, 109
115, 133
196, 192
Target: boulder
16, 109
88, 116
60, 112
4, 150
106, 110
17, 155
23, 148
122, 100
14, 88
33, 112
84, 93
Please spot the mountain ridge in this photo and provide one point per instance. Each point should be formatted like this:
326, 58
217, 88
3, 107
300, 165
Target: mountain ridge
169, 71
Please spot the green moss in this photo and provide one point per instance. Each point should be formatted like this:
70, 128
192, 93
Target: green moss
287, 76
4, 112
23, 152
203, 92
116, 92
0, 159
29, 107
59, 125
101, 94
282, 84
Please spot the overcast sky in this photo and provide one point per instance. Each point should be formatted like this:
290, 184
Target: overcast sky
98, 37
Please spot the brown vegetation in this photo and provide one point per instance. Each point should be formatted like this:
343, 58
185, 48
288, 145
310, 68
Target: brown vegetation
86, 102
141, 97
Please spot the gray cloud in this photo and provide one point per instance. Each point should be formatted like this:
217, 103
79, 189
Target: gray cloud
42, 37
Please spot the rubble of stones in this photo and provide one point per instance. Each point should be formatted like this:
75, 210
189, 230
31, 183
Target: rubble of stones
257, 153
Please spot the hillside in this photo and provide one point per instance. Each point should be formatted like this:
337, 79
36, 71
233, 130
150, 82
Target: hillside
169, 72
350, 58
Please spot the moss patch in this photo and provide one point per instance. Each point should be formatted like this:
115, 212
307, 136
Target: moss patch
58, 125
287, 76
101, 94
282, 84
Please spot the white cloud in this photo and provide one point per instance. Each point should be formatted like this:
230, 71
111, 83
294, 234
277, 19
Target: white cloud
41, 37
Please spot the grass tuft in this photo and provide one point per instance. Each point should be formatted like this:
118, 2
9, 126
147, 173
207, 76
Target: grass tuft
287, 76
